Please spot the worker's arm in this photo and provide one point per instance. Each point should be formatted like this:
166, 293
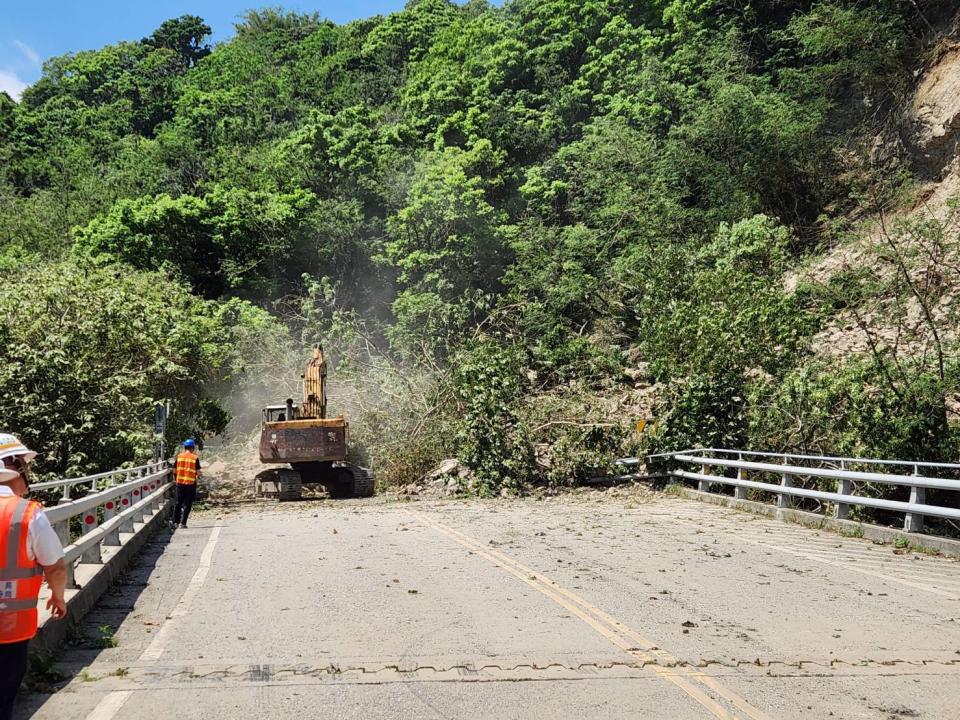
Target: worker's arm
56, 576
48, 552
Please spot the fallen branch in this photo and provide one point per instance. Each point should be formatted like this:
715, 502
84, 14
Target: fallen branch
574, 424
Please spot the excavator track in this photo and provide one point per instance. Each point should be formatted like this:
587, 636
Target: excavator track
290, 485
352, 482
364, 483
281, 484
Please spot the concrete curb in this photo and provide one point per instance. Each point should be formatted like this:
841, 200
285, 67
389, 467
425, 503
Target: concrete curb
52, 633
945, 546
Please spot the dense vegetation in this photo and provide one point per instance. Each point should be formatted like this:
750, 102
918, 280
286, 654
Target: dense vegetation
516, 203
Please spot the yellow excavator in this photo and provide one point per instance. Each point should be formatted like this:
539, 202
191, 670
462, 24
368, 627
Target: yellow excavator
313, 445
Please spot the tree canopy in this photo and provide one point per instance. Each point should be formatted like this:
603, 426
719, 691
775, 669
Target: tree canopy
573, 181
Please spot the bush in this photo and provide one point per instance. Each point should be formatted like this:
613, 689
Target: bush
852, 408
492, 439
87, 350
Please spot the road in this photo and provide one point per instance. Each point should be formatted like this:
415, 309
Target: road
597, 605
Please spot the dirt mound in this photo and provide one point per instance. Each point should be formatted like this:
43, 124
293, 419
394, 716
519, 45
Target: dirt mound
229, 470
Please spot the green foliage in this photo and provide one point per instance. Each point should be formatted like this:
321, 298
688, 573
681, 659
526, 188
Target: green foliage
581, 453
854, 409
516, 192
445, 238
492, 439
106, 638
851, 44
184, 36
724, 316
702, 410
212, 242
86, 351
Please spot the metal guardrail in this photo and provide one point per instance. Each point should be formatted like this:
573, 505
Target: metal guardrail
100, 480
131, 496
748, 465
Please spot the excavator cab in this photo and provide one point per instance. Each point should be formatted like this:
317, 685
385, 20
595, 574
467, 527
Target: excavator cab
274, 413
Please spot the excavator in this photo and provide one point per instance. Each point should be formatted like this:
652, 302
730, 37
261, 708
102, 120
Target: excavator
311, 444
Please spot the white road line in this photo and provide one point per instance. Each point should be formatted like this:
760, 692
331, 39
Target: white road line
771, 535
111, 704
865, 571
159, 642
108, 708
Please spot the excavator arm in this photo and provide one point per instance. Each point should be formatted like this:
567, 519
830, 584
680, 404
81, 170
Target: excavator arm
315, 386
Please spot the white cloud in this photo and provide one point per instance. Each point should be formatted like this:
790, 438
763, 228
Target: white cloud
29, 53
11, 84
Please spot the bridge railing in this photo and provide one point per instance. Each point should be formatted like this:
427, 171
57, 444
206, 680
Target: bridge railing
116, 503
98, 481
747, 470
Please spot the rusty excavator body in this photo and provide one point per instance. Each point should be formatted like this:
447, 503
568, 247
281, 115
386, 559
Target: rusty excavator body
313, 445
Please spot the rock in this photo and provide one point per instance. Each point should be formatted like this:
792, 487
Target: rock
638, 374
447, 467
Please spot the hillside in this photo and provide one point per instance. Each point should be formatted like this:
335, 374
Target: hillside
518, 229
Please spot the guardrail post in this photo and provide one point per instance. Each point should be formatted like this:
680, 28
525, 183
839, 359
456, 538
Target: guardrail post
138, 496
783, 499
125, 504
152, 488
704, 485
89, 524
740, 493
112, 538
62, 529
159, 499
844, 487
913, 522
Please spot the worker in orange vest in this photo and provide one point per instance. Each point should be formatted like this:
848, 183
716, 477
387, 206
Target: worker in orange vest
29, 551
185, 474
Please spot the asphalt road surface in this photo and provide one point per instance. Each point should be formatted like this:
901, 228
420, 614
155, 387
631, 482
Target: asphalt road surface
600, 605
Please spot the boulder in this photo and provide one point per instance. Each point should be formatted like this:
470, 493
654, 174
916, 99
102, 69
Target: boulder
450, 466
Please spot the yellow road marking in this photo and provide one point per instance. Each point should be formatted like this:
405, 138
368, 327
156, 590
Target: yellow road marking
600, 620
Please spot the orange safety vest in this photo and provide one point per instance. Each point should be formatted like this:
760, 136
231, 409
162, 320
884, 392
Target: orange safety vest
185, 471
20, 577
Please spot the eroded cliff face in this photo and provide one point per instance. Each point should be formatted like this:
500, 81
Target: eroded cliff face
933, 127
921, 237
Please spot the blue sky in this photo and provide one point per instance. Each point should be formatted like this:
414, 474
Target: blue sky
33, 30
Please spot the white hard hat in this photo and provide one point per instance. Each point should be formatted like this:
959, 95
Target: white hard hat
10, 446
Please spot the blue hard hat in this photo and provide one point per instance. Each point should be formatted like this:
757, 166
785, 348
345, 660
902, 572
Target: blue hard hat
189, 443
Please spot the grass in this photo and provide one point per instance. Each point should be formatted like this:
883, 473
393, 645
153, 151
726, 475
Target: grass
44, 673
106, 639
926, 550
856, 532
